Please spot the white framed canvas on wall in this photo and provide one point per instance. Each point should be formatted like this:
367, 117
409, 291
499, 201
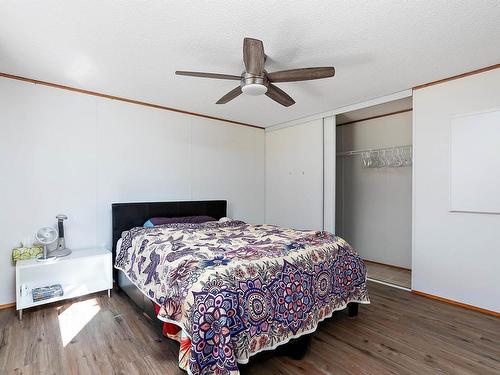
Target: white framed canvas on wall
475, 162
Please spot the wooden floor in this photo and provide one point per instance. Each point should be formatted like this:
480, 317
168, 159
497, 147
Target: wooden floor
399, 333
389, 274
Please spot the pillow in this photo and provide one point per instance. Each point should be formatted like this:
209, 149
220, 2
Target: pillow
173, 220
225, 219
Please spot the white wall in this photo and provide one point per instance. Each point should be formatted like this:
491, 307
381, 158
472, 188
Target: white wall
64, 152
374, 204
294, 176
456, 255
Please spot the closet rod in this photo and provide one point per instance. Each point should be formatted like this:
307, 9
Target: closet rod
359, 152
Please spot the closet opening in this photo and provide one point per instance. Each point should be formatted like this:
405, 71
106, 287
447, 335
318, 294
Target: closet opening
374, 188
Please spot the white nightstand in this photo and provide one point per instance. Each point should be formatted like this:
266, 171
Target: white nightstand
82, 272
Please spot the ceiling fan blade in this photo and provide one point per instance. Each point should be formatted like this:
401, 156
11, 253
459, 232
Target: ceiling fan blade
207, 75
303, 74
253, 56
278, 95
229, 96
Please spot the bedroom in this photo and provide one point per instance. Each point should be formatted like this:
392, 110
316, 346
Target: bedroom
366, 189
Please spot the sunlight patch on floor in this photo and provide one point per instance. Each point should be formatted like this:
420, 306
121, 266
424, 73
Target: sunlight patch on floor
74, 318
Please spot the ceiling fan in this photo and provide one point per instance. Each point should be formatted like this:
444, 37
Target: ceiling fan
255, 80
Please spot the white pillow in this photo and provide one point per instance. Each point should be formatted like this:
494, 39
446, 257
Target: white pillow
225, 219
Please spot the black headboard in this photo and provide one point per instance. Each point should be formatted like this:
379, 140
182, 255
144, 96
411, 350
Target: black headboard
130, 215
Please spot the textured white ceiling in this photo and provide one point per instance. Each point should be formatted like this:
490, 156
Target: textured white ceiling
132, 48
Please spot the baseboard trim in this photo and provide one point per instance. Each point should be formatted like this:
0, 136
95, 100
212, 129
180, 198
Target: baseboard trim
7, 305
456, 303
388, 284
388, 265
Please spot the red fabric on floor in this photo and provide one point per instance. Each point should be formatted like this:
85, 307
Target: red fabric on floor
168, 328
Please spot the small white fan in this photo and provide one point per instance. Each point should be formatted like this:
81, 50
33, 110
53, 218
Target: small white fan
46, 236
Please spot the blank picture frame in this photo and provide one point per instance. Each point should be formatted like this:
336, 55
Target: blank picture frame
475, 162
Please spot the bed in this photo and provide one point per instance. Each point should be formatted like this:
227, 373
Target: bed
229, 290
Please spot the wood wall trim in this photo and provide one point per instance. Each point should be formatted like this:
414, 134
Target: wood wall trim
126, 100
458, 76
7, 305
456, 303
388, 265
378, 116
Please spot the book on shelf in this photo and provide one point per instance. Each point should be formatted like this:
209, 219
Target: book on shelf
46, 292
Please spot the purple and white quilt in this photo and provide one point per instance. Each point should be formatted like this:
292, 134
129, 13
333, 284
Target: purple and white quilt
236, 289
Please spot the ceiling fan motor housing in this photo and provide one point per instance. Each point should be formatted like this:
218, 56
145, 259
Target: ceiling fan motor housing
253, 84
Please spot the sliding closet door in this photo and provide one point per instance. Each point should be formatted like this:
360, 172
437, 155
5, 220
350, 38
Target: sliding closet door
294, 176
329, 173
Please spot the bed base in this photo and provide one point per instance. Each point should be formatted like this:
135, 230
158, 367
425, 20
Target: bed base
352, 309
296, 349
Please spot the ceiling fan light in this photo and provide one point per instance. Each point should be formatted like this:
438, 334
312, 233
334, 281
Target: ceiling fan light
254, 89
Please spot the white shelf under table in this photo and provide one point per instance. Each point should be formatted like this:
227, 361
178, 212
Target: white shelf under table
82, 272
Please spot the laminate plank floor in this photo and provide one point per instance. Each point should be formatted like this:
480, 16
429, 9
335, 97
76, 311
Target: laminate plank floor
389, 274
398, 333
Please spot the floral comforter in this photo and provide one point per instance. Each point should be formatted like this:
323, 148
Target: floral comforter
236, 289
